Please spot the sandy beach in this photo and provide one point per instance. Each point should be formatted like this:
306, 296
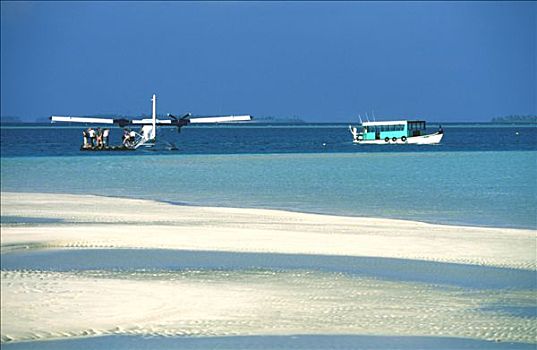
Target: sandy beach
76, 266
103, 222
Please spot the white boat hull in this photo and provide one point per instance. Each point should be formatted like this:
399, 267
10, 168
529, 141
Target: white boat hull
430, 139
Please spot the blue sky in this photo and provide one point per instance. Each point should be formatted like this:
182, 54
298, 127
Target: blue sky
319, 61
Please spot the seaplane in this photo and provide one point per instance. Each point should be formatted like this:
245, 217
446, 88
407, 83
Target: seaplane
146, 136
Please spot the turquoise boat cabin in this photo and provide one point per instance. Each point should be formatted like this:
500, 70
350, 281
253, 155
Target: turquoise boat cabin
393, 130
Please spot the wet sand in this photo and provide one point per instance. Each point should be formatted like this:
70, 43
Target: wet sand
86, 266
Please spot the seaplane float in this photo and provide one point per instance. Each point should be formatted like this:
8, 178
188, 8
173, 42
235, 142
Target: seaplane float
412, 132
146, 136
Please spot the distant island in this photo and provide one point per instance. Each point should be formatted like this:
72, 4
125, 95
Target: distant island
271, 119
9, 120
519, 119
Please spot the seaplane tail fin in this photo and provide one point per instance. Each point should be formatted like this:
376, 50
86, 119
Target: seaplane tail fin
56, 118
222, 119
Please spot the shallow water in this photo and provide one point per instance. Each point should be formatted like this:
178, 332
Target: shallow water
472, 188
306, 342
24, 220
166, 262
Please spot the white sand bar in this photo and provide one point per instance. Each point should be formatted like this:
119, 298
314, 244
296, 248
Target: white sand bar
102, 222
37, 304
45, 305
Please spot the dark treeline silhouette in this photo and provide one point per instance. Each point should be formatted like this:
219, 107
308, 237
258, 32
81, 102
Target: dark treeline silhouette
516, 119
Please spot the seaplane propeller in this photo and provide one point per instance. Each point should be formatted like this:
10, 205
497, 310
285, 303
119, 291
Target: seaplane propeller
122, 122
180, 118
181, 121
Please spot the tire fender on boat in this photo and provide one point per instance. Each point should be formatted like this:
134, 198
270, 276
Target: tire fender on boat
386, 139
394, 139
403, 138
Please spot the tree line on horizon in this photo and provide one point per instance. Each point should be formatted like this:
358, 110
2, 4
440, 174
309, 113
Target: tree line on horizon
515, 118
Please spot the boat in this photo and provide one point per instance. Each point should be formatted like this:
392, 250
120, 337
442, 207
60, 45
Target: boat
412, 132
106, 148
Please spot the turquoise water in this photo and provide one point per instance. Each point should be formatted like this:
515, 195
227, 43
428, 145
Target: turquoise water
476, 188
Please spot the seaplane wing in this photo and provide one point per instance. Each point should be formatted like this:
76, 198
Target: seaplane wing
148, 121
221, 119
92, 120
187, 119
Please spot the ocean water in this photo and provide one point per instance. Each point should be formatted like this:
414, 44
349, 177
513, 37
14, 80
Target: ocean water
43, 140
482, 175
